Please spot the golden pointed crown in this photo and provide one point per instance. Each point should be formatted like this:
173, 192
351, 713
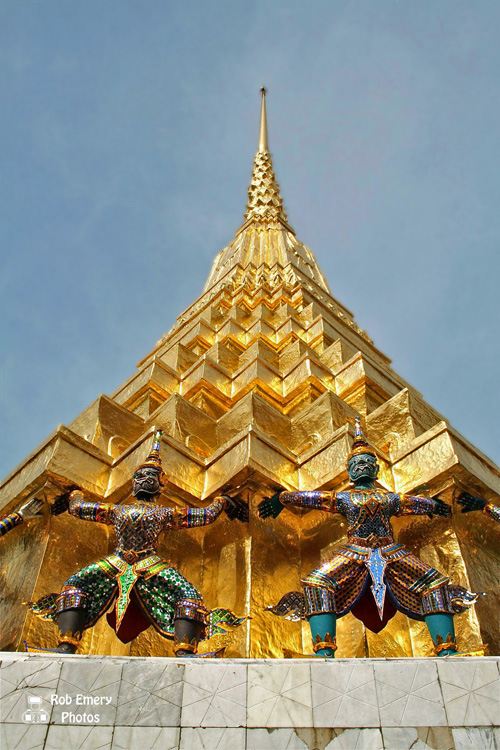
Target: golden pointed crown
360, 444
154, 458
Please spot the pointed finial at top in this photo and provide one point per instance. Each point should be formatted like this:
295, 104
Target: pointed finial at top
265, 205
263, 122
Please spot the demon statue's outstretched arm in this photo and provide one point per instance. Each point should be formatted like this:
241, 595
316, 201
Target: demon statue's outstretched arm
73, 501
29, 510
188, 518
422, 506
470, 503
10, 522
493, 511
314, 500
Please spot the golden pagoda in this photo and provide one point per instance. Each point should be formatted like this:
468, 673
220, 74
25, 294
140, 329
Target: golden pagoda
256, 386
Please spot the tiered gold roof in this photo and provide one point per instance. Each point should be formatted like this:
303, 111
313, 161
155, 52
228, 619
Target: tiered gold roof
256, 385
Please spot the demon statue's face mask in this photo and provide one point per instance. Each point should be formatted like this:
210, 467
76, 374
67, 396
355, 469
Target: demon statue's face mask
362, 468
146, 482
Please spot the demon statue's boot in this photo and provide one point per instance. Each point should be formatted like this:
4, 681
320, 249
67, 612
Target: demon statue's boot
68, 642
470, 503
442, 631
323, 628
371, 576
71, 624
186, 639
134, 585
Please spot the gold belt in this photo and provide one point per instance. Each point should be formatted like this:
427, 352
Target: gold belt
131, 556
371, 542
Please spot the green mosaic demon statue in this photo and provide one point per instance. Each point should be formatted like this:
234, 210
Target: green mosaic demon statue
399, 580
135, 583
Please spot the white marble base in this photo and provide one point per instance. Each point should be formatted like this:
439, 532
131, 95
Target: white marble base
112, 703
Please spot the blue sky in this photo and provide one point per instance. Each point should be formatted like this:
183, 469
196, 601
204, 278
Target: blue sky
128, 135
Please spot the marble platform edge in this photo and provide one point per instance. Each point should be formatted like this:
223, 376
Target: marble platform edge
123, 738
4, 655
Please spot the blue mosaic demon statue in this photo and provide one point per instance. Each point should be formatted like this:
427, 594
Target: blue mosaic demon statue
371, 576
134, 585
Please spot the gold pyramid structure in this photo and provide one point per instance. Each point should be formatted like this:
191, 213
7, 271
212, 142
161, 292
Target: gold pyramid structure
256, 385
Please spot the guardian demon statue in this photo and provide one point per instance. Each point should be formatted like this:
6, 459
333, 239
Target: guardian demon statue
139, 587
371, 576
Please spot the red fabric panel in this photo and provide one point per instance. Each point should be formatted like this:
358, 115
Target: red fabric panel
366, 610
133, 623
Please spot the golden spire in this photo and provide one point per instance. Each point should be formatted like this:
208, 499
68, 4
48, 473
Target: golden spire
265, 205
263, 122
266, 241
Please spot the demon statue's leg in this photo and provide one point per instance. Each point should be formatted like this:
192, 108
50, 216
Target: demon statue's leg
187, 635
319, 606
71, 619
323, 629
442, 631
71, 624
189, 623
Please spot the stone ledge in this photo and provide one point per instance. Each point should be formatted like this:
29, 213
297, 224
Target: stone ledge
253, 704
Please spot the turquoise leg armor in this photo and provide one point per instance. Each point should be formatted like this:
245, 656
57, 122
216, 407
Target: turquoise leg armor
442, 631
323, 629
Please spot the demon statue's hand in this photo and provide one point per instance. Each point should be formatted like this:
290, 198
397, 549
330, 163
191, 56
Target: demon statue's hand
61, 502
271, 506
236, 508
470, 503
440, 508
32, 508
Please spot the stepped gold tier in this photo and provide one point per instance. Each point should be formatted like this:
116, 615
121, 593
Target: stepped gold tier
257, 385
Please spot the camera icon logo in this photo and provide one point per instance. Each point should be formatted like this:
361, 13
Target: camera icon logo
35, 713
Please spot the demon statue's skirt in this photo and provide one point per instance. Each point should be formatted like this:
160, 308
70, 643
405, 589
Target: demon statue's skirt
357, 579
147, 592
